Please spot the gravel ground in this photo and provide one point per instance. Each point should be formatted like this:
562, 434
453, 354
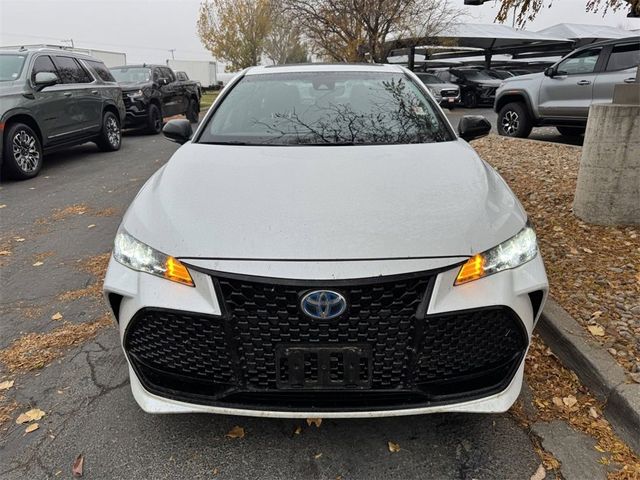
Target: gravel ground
594, 271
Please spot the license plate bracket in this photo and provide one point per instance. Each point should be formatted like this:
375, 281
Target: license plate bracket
323, 367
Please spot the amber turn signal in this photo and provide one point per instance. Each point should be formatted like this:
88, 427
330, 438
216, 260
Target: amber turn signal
177, 272
472, 270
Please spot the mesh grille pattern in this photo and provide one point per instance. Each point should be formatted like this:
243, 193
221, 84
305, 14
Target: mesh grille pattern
465, 343
381, 315
191, 345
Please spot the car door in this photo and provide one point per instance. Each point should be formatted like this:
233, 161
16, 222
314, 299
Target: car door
621, 66
86, 108
175, 90
569, 92
50, 103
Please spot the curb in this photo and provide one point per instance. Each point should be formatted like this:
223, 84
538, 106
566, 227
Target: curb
595, 368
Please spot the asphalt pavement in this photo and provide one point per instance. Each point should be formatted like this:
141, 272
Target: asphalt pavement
56, 223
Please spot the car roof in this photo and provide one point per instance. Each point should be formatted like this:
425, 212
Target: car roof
615, 41
139, 65
46, 50
324, 67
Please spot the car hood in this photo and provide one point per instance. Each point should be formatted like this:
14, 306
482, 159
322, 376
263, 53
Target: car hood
443, 86
489, 83
126, 86
529, 76
326, 202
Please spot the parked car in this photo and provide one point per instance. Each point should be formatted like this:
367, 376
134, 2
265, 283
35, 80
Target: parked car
152, 92
562, 95
51, 99
447, 94
325, 245
476, 87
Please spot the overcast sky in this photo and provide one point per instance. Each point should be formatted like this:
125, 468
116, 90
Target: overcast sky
146, 29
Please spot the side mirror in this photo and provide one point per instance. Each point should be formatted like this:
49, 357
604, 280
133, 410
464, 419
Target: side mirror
178, 131
549, 72
473, 126
45, 79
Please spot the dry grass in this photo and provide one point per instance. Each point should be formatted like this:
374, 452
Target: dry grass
36, 350
594, 271
6, 410
96, 266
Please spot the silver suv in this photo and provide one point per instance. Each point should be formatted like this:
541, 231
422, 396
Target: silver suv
54, 98
562, 95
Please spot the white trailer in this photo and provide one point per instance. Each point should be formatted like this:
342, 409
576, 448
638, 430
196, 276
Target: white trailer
202, 71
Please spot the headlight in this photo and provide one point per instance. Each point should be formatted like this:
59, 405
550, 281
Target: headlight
136, 94
141, 257
512, 253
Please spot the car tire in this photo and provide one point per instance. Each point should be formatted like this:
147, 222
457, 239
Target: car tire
193, 112
470, 99
110, 137
154, 120
22, 156
514, 120
571, 131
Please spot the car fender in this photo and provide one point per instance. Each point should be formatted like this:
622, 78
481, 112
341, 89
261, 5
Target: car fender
508, 94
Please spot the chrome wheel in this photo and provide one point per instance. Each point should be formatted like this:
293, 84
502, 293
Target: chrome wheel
25, 151
510, 122
113, 131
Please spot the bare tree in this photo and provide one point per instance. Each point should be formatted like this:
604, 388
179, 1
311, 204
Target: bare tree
344, 29
284, 43
527, 9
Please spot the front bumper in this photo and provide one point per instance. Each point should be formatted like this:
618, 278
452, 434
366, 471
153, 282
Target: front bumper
232, 370
136, 110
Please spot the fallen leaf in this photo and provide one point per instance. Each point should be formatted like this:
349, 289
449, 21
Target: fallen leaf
557, 401
596, 330
33, 414
32, 427
587, 250
393, 447
6, 385
599, 448
215, 472
2, 206
569, 401
596, 314
593, 413
574, 251
236, 432
5, 253
91, 226
298, 430
19, 239
78, 466
37, 264
540, 474
56, 316
58, 473
317, 455
314, 421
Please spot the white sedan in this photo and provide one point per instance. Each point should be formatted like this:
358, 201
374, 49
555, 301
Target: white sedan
325, 245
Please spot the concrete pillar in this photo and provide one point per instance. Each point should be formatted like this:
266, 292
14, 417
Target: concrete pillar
608, 191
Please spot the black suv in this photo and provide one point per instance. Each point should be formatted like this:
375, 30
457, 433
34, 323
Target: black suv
476, 86
152, 92
53, 98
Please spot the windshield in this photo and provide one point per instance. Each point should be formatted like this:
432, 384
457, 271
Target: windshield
11, 67
475, 75
325, 108
131, 75
428, 78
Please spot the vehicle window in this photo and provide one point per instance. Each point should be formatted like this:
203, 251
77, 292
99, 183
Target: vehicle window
101, 70
182, 76
11, 67
131, 74
168, 74
582, 62
428, 78
326, 108
624, 56
43, 64
71, 71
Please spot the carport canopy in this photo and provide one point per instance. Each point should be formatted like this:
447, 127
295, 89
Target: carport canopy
490, 38
582, 34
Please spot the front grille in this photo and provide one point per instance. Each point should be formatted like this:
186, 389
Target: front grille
449, 93
266, 315
402, 353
